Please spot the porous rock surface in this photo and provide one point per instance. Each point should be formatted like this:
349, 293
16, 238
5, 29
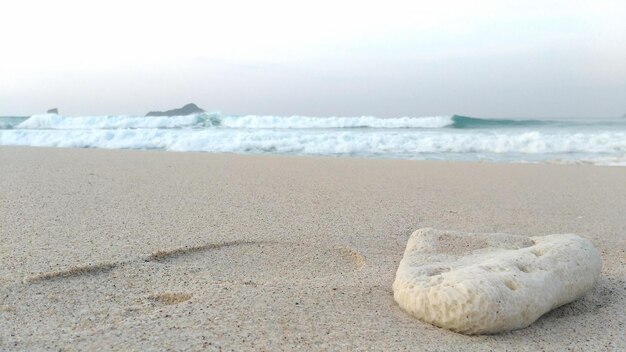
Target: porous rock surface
490, 283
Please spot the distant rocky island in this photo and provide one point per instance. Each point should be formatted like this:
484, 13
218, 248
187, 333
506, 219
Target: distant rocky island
53, 111
185, 110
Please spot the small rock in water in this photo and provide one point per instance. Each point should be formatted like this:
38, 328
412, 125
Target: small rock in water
53, 111
185, 110
490, 283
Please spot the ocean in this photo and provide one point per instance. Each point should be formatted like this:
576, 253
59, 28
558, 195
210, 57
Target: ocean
457, 138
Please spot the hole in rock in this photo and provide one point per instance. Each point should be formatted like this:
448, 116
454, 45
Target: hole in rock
512, 285
437, 271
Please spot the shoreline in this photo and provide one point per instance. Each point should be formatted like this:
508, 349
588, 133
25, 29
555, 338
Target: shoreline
341, 157
122, 249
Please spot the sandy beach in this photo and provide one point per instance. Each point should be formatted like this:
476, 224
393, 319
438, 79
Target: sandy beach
147, 250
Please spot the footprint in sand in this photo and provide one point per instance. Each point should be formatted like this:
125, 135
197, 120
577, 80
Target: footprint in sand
169, 298
248, 262
72, 272
257, 262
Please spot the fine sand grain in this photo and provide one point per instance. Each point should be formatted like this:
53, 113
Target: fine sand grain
136, 250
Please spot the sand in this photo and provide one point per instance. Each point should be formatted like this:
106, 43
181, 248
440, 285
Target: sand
143, 250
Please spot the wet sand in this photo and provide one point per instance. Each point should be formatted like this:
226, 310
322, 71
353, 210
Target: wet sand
142, 250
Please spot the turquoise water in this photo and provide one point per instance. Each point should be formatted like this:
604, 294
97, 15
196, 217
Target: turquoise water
8, 122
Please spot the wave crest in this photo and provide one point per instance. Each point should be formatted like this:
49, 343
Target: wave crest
205, 120
58, 122
212, 120
287, 122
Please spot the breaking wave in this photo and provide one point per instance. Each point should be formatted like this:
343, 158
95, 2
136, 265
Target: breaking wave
53, 121
437, 137
409, 144
216, 120
206, 120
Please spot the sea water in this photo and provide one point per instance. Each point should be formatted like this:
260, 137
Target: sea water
595, 141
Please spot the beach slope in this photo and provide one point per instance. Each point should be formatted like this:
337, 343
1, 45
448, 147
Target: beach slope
141, 250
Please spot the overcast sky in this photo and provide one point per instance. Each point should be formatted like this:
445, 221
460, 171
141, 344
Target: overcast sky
319, 58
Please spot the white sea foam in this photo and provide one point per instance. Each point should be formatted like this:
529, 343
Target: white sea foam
255, 121
439, 137
609, 147
52, 121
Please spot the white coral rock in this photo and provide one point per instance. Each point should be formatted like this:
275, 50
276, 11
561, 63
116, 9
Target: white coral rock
489, 283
